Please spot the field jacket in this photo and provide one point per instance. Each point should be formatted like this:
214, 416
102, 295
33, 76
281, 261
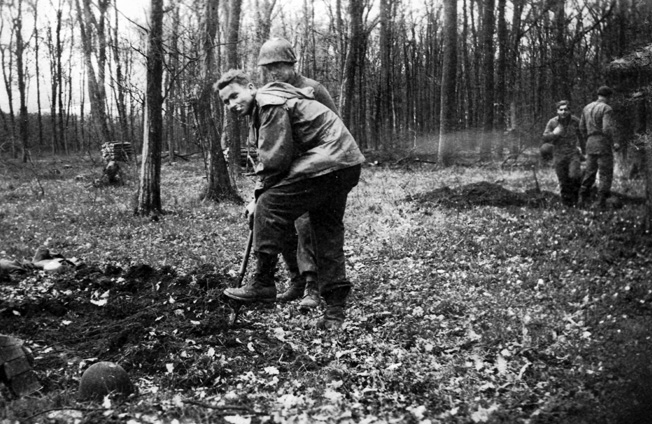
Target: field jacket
297, 137
597, 126
570, 139
320, 92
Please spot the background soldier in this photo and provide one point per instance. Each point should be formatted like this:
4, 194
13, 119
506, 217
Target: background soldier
564, 134
597, 127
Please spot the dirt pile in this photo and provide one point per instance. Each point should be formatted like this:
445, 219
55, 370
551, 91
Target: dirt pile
483, 194
147, 320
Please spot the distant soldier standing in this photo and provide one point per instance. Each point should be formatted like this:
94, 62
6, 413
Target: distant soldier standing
277, 59
564, 134
597, 127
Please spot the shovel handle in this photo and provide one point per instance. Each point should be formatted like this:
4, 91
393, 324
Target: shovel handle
245, 259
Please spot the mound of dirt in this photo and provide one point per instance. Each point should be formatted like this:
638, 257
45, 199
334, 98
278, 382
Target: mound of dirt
142, 318
482, 194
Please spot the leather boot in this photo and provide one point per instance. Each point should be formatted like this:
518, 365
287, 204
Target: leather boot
262, 287
334, 315
601, 203
294, 291
310, 296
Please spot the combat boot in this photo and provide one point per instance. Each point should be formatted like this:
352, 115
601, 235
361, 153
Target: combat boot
583, 201
261, 288
334, 315
311, 296
601, 203
294, 291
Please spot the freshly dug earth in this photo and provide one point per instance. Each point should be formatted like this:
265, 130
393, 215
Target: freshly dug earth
484, 193
144, 319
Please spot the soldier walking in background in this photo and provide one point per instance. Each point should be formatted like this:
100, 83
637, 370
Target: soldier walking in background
597, 127
564, 134
308, 162
277, 59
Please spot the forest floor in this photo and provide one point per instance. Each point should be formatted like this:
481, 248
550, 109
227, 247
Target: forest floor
478, 299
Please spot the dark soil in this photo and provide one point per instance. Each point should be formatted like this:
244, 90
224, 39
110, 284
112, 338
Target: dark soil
146, 323
490, 194
483, 194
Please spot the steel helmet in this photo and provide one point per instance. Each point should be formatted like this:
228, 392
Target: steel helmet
276, 50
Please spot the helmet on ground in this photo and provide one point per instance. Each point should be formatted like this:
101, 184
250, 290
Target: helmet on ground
276, 50
103, 378
546, 150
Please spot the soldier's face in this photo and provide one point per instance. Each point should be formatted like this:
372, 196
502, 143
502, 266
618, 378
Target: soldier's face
563, 111
238, 98
278, 71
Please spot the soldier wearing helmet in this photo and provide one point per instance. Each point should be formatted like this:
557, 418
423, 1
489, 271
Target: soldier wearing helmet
309, 162
277, 59
563, 133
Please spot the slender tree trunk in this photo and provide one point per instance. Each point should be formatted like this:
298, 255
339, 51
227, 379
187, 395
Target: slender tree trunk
501, 77
171, 85
384, 90
352, 62
149, 193
448, 107
231, 123
23, 119
92, 28
219, 185
487, 79
8, 76
119, 85
37, 43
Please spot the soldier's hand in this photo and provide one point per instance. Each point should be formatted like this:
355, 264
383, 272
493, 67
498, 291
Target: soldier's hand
249, 213
559, 130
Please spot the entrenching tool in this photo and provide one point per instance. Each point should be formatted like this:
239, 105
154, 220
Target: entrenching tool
234, 304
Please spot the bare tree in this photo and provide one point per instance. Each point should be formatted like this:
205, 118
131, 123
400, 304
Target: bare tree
448, 83
352, 66
93, 39
487, 78
149, 192
231, 134
23, 123
219, 185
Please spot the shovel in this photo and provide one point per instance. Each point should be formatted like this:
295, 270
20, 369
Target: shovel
235, 305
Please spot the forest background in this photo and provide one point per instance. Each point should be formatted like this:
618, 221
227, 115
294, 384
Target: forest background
74, 71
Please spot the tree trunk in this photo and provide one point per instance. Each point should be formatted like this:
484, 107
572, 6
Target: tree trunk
172, 83
487, 79
385, 89
501, 77
448, 112
149, 193
37, 43
231, 123
352, 62
23, 119
90, 29
219, 185
119, 85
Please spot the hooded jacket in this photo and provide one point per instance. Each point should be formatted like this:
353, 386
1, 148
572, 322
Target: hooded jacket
297, 137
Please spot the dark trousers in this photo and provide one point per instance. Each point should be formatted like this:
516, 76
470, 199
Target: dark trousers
569, 174
602, 164
299, 255
324, 198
